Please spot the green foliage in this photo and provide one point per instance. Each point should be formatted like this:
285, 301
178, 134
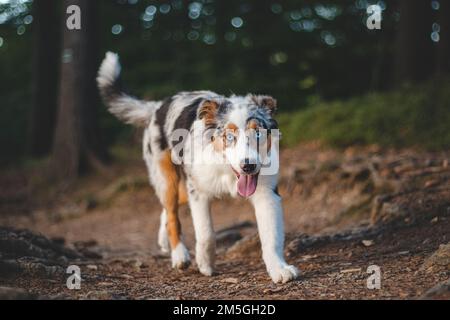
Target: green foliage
282, 48
413, 116
15, 95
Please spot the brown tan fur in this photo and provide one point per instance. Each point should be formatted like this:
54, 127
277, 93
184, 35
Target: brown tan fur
208, 112
232, 127
253, 124
182, 193
171, 198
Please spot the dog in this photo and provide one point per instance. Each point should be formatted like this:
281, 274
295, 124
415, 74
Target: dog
218, 157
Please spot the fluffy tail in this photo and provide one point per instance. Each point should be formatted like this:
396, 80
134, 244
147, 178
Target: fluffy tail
125, 107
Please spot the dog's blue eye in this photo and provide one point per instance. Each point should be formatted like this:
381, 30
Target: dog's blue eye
230, 137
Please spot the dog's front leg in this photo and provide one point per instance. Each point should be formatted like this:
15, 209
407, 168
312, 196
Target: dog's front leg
205, 246
269, 217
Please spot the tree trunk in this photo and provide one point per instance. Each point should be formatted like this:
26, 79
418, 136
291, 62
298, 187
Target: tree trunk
45, 77
414, 54
76, 145
96, 149
443, 50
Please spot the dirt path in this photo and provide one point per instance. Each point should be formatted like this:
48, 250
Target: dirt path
404, 194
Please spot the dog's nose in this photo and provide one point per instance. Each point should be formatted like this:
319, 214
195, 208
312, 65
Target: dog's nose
248, 167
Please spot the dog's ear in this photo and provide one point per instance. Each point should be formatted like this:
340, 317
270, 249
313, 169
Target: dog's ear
208, 111
267, 102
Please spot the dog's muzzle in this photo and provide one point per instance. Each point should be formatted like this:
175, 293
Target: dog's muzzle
247, 179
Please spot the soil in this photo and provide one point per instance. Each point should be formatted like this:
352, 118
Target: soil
345, 210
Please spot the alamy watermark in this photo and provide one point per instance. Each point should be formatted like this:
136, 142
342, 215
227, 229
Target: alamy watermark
375, 17
231, 147
373, 22
73, 282
374, 280
73, 21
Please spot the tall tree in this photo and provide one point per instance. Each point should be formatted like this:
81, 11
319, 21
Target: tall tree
45, 76
77, 144
443, 50
414, 54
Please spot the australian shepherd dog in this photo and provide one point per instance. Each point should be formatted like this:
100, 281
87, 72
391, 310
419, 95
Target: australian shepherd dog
199, 146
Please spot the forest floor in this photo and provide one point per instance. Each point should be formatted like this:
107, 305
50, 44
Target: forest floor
345, 210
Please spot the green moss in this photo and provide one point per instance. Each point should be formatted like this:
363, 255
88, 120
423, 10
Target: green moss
413, 116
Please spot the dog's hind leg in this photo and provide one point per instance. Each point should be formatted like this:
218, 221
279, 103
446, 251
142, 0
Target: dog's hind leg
205, 246
163, 238
170, 199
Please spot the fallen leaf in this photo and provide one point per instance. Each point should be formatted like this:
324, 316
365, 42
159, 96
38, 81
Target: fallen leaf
431, 183
368, 243
230, 280
351, 270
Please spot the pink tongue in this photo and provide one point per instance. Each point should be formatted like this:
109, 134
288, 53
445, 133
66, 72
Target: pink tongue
247, 185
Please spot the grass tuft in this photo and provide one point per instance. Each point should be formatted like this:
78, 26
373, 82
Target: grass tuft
416, 116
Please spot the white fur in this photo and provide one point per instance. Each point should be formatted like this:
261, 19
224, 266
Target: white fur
204, 234
214, 180
269, 217
180, 257
109, 70
163, 239
125, 107
209, 174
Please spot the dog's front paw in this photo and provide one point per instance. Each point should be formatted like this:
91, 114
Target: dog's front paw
180, 257
205, 252
283, 273
206, 270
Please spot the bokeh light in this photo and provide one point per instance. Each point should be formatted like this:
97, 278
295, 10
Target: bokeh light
150, 10
117, 29
276, 8
237, 22
165, 8
435, 5
435, 36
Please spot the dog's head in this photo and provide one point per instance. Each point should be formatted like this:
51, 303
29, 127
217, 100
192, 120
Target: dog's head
241, 131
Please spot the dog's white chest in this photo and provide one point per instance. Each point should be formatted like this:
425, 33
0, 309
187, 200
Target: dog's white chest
215, 181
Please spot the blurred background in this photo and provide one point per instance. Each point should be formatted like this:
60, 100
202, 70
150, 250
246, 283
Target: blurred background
365, 118
336, 81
